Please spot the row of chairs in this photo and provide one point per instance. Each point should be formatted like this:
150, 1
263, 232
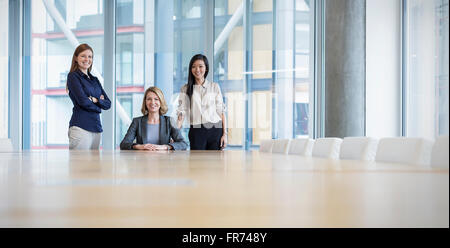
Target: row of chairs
416, 151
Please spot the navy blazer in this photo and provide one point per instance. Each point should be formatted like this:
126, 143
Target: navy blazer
138, 131
86, 114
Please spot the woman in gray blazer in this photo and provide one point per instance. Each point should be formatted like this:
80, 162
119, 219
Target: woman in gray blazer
153, 130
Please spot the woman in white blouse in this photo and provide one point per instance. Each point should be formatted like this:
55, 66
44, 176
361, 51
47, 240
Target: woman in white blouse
201, 103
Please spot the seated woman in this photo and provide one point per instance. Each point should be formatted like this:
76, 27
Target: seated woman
153, 130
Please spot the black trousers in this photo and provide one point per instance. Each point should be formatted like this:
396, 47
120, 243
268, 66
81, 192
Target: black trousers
205, 136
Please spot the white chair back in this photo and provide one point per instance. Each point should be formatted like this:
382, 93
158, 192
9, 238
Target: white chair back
302, 147
439, 154
416, 151
6, 145
327, 148
266, 146
358, 148
280, 146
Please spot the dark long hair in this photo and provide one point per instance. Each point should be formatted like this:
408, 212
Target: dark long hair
74, 66
191, 78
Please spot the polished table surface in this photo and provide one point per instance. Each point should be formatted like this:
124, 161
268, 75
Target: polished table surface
61, 188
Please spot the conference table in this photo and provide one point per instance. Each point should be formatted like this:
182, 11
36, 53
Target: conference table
231, 188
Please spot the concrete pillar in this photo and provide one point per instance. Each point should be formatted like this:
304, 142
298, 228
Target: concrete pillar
345, 56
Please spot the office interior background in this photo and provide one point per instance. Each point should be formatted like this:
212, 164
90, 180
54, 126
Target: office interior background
281, 72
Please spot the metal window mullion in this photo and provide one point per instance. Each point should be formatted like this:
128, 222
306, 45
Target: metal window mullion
26, 82
312, 68
15, 72
294, 43
149, 41
274, 67
248, 38
209, 35
404, 71
109, 44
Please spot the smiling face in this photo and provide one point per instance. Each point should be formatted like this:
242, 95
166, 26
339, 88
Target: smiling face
84, 60
198, 69
152, 102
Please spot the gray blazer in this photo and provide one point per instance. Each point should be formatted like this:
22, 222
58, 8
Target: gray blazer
138, 131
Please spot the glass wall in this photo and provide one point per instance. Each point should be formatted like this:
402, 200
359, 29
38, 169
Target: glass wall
155, 42
304, 68
259, 68
4, 70
427, 63
48, 54
229, 65
188, 39
261, 54
259, 51
261, 61
130, 62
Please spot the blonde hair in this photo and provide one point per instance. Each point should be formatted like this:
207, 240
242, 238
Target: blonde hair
81, 48
163, 109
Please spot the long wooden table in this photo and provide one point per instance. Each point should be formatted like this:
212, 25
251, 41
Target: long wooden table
58, 188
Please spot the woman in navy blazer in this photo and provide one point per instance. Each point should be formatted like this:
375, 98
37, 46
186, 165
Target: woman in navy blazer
88, 98
153, 131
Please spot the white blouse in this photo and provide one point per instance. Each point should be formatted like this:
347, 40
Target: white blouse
207, 104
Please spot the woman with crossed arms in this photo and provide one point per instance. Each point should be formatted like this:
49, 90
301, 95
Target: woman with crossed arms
88, 98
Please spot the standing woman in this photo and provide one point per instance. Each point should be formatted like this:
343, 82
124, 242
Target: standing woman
88, 98
202, 104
